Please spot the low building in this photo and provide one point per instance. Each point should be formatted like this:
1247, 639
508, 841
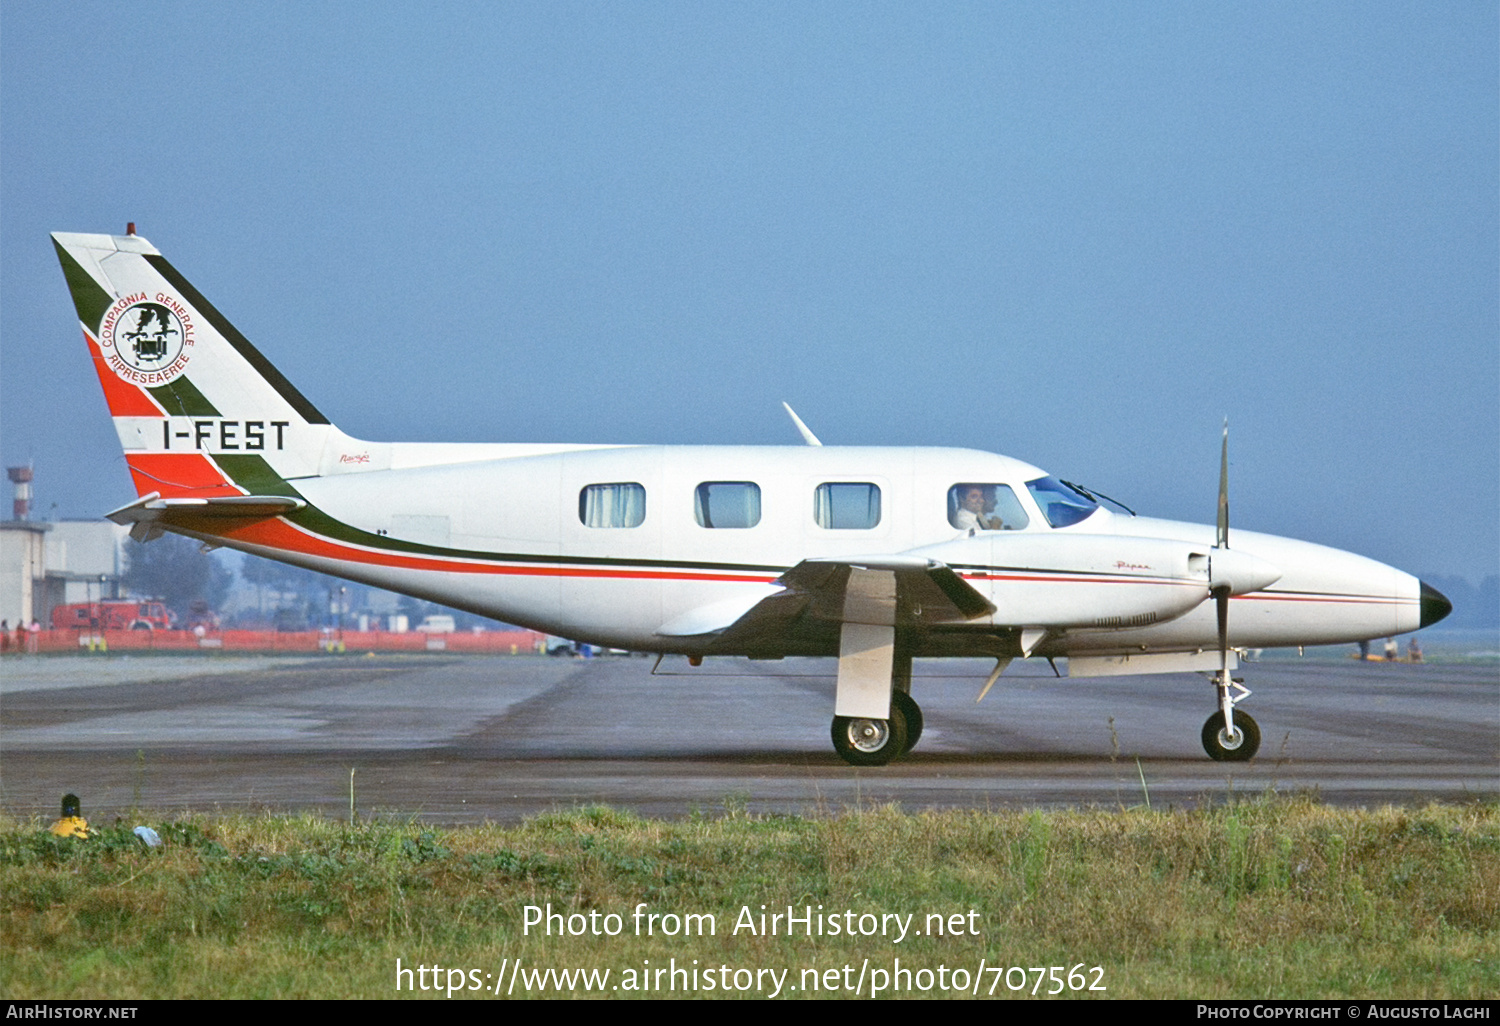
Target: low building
51, 563
23, 570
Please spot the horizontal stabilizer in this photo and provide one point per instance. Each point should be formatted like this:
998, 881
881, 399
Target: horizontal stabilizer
149, 514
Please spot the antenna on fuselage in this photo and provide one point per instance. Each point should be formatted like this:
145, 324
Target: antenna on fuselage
803, 429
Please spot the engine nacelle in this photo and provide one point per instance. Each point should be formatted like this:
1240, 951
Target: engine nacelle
1088, 580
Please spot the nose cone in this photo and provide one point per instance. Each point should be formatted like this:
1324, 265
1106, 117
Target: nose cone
1435, 605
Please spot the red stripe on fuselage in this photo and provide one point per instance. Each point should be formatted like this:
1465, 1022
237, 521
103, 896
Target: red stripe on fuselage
1079, 579
1252, 597
1355, 599
280, 535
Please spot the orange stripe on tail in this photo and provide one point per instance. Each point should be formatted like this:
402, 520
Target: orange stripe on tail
123, 398
178, 475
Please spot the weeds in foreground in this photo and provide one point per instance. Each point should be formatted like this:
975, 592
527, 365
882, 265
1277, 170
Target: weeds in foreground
1269, 898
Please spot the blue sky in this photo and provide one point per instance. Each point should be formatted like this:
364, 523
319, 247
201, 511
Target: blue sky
1078, 234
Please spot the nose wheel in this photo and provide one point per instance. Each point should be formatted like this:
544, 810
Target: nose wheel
1221, 746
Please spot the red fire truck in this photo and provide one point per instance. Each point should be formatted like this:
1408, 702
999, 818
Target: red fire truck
113, 615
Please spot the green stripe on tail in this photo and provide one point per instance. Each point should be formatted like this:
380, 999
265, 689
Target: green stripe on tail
89, 297
181, 398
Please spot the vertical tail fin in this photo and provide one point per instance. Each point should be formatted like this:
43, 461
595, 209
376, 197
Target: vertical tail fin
199, 411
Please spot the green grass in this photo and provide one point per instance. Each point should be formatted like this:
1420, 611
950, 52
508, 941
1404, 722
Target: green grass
1268, 898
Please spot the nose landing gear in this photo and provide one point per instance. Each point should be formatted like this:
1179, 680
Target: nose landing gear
1230, 736
1222, 747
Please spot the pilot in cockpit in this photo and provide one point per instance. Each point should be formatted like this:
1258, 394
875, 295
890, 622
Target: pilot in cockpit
974, 509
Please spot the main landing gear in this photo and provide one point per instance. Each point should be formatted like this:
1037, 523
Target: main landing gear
869, 742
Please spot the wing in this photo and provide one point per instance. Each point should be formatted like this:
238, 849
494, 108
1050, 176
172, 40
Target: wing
813, 599
927, 591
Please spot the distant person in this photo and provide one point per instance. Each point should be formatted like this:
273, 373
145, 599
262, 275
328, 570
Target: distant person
33, 636
1392, 651
1413, 650
20, 635
4, 636
1364, 651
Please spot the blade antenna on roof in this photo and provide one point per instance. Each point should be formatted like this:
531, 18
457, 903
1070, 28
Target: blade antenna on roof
803, 429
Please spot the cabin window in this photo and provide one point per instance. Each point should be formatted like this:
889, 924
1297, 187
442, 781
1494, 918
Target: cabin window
974, 506
612, 505
727, 504
1062, 504
845, 505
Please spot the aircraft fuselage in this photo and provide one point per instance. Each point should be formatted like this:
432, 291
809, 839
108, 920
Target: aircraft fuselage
873, 555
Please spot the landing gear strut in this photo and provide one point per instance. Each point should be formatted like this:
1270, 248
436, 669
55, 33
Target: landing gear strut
874, 717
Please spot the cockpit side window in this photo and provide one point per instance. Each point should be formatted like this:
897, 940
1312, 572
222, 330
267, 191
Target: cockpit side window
1061, 505
976, 507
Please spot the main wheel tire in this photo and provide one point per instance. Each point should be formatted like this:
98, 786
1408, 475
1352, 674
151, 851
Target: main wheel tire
867, 742
913, 714
1221, 748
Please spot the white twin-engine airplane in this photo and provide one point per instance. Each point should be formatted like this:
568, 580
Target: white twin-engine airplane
873, 555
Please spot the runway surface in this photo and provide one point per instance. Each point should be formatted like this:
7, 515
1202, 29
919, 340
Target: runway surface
453, 740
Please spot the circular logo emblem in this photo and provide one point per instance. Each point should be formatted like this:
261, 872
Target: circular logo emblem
144, 339
148, 336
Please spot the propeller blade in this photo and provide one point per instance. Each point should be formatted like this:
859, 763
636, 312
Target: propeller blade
1221, 606
1221, 538
1221, 542
1222, 592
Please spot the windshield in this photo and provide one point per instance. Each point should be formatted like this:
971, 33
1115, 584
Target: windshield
1062, 505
